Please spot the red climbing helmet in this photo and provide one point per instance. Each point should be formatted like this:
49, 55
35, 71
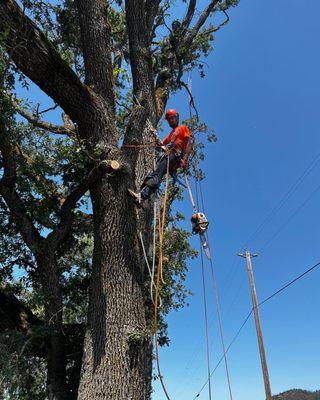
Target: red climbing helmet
171, 112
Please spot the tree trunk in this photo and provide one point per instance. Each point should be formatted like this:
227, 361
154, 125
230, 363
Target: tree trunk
56, 360
115, 351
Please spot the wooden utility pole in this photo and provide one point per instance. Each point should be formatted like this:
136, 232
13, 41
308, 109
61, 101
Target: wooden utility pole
267, 387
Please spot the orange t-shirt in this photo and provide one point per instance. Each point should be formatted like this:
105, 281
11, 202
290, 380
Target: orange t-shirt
179, 136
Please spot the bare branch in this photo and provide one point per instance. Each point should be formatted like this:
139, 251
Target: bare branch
48, 109
216, 28
34, 120
189, 15
213, 6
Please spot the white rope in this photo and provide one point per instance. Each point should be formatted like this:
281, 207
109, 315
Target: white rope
150, 273
190, 193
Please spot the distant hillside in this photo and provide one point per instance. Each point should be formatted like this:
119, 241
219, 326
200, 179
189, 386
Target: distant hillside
298, 394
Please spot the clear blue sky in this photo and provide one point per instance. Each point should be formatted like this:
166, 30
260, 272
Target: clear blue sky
261, 95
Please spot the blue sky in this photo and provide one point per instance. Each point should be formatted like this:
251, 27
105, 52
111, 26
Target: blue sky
261, 95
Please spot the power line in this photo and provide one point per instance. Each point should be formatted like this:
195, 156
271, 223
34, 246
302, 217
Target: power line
290, 283
291, 217
222, 357
284, 199
249, 315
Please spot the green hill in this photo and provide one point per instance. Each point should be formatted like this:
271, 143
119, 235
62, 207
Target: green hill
298, 394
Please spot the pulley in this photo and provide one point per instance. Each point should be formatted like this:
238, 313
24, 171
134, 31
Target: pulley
199, 223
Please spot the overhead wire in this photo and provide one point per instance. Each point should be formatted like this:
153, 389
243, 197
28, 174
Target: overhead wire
290, 283
284, 287
215, 290
278, 206
300, 207
206, 322
284, 199
216, 296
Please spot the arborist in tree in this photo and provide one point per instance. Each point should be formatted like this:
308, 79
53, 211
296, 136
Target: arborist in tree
177, 147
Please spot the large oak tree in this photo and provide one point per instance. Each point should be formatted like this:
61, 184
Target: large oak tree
111, 67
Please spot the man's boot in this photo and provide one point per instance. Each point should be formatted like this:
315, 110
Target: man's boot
144, 194
136, 197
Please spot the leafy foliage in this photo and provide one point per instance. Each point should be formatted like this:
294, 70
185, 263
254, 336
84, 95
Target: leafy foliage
22, 376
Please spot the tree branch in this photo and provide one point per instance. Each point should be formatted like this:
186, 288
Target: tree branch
51, 187
97, 50
14, 315
152, 8
216, 28
66, 214
140, 56
34, 120
37, 58
213, 6
180, 41
189, 15
30, 235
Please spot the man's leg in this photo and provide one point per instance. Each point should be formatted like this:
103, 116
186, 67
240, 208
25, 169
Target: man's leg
152, 181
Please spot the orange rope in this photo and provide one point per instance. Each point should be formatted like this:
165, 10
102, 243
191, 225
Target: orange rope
141, 145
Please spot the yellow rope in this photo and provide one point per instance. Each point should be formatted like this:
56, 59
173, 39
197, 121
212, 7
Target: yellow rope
159, 275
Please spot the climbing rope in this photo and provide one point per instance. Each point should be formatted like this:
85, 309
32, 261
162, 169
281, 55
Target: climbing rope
154, 246
206, 322
151, 272
190, 193
216, 295
159, 275
195, 207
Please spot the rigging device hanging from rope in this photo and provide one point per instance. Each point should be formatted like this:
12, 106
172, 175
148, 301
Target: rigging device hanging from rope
199, 226
199, 222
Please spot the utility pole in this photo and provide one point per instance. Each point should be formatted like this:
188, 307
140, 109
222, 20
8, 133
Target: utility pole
267, 387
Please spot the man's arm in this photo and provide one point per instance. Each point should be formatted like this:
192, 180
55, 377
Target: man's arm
189, 148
